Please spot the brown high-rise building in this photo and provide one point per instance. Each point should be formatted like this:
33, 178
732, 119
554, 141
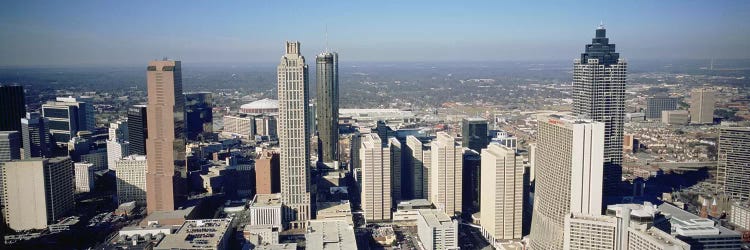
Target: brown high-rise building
267, 173
165, 145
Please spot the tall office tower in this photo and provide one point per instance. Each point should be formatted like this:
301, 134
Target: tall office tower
502, 187
118, 131
733, 172
37, 191
10, 145
702, 104
85, 107
418, 159
13, 101
445, 174
165, 145
655, 105
137, 129
384, 131
376, 178
63, 121
396, 169
294, 141
84, 176
568, 169
267, 176
199, 114
474, 133
472, 165
36, 137
131, 179
599, 94
328, 105
116, 150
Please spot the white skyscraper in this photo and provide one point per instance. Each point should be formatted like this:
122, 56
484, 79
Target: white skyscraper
375, 161
118, 130
131, 179
418, 159
446, 174
501, 205
294, 142
568, 168
116, 150
702, 105
84, 173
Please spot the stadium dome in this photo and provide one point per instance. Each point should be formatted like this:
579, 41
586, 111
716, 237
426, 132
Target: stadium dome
261, 107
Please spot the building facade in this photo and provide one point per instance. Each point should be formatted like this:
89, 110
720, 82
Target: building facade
116, 150
294, 140
131, 179
165, 145
475, 133
655, 106
13, 101
267, 173
10, 145
733, 171
36, 136
568, 175
137, 129
84, 177
327, 69
418, 159
702, 105
241, 125
199, 119
446, 174
599, 94
501, 206
375, 162
436, 230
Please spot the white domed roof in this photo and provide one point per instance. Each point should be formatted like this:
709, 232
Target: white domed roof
262, 104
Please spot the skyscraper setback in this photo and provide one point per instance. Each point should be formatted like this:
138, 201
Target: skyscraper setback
166, 142
327, 69
599, 94
294, 142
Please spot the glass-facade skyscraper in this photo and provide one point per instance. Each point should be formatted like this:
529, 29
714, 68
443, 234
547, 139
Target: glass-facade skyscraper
13, 103
327, 109
474, 133
599, 94
137, 129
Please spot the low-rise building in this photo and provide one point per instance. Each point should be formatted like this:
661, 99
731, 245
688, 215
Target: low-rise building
740, 215
700, 233
265, 209
199, 234
437, 230
258, 235
330, 234
675, 117
335, 211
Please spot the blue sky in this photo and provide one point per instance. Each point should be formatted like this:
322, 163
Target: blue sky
134, 32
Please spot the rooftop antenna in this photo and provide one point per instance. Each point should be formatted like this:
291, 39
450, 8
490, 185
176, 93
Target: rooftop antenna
601, 24
326, 37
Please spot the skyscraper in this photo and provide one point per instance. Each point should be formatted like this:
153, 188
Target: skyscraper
502, 187
418, 159
702, 105
137, 129
267, 174
733, 171
294, 142
474, 133
165, 148
37, 191
199, 114
445, 174
131, 179
63, 121
36, 137
118, 131
599, 94
116, 150
655, 105
568, 169
10, 145
395, 162
375, 159
13, 101
328, 105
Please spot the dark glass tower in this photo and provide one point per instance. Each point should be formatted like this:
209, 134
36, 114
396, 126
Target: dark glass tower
327, 109
137, 129
12, 108
474, 133
36, 136
198, 113
599, 93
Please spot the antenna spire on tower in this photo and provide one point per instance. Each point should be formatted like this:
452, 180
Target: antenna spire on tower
326, 37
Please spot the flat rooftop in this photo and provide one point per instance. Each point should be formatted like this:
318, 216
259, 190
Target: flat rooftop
330, 234
266, 200
197, 234
689, 224
435, 218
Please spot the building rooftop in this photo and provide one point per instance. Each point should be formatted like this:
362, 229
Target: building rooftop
687, 224
266, 200
416, 203
262, 104
197, 234
330, 234
645, 210
435, 218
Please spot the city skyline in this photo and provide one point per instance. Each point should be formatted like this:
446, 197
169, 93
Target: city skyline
645, 31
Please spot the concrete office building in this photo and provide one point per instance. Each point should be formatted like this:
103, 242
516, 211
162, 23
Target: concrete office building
700, 233
474, 133
84, 177
599, 78
740, 215
656, 105
376, 178
116, 150
584, 231
266, 209
445, 174
137, 129
733, 171
118, 131
419, 158
10, 145
702, 105
436, 230
330, 234
211, 234
38, 192
13, 101
327, 110
265, 125
675, 117
36, 136
241, 125
131, 179
568, 175
267, 173
165, 145
294, 142
396, 169
67, 116
501, 207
